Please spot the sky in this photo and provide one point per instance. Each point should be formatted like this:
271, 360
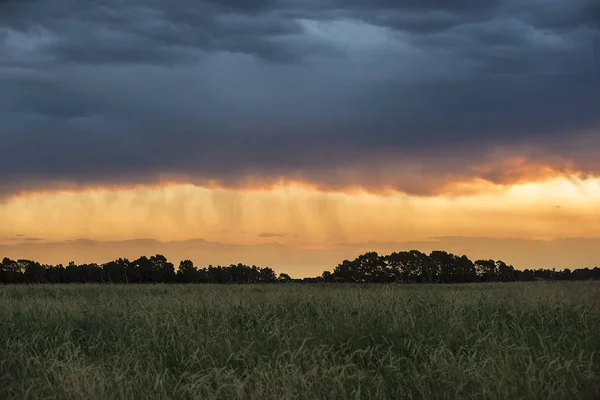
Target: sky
298, 133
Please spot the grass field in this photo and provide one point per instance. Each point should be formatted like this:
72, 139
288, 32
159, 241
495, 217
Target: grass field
496, 341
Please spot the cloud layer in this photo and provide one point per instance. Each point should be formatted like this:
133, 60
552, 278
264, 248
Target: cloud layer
410, 95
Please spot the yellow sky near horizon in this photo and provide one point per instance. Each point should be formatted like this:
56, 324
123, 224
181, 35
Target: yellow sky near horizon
300, 216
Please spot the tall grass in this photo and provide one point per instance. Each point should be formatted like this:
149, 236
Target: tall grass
495, 341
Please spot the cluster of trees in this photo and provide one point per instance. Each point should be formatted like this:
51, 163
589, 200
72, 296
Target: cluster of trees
155, 269
442, 267
401, 267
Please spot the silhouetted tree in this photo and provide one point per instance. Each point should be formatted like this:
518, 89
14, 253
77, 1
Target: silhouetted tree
486, 270
328, 276
33, 272
267, 275
464, 270
505, 272
162, 270
116, 271
187, 272
10, 271
56, 274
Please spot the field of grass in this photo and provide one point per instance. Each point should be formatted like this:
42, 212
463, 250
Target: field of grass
496, 341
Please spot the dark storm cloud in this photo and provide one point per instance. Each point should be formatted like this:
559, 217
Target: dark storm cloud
409, 94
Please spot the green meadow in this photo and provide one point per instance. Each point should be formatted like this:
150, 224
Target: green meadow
295, 341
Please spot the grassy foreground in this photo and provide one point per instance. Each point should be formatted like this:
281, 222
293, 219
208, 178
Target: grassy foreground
496, 341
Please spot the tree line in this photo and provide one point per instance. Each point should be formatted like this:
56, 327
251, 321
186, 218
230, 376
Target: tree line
399, 267
442, 267
156, 269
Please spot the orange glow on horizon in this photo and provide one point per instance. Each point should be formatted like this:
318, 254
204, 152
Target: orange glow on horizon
301, 230
301, 215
